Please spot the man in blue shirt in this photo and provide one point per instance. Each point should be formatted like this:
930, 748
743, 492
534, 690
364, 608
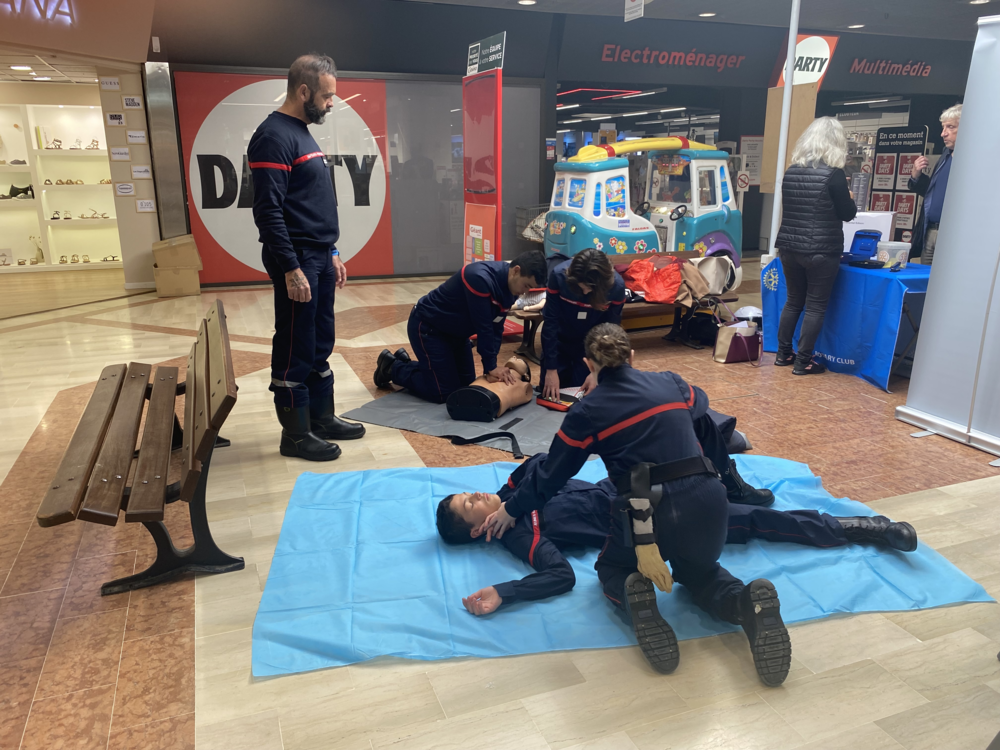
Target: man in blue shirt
295, 209
933, 188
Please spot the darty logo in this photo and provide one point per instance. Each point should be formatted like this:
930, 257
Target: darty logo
812, 59
43, 10
222, 187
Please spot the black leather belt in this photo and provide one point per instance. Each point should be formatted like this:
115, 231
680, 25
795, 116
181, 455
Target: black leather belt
686, 467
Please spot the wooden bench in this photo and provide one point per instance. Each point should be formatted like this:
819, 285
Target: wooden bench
102, 473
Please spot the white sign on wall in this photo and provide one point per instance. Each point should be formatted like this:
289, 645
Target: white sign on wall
634, 9
110, 84
124, 188
142, 172
218, 160
114, 119
752, 150
120, 153
145, 206
132, 102
136, 136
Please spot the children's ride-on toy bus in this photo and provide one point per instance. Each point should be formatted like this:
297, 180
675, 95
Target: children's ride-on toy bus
690, 203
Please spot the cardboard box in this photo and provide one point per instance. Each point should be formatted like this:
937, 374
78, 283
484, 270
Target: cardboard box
177, 252
177, 282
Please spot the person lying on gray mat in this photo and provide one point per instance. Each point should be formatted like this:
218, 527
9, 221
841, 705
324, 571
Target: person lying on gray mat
580, 516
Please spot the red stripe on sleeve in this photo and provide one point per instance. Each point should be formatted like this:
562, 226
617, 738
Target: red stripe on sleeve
690, 401
536, 533
269, 165
574, 443
510, 482
638, 418
469, 286
307, 157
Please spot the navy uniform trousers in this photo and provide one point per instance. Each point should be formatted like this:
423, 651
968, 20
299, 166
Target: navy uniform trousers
304, 332
444, 362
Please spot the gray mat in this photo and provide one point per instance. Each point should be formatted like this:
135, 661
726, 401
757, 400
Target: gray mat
534, 426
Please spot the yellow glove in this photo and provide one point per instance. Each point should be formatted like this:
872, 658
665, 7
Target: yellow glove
654, 567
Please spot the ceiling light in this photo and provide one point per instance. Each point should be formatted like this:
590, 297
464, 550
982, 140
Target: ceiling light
857, 26
706, 15
45, 78
674, 109
633, 114
456, 110
866, 101
978, 2
20, 67
566, 106
567, 130
526, 2
569, 122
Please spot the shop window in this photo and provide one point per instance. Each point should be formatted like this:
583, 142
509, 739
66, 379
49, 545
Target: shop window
559, 192
707, 196
615, 197
670, 181
597, 200
577, 193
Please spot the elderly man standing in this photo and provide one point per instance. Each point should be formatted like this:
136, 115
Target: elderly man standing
295, 209
933, 188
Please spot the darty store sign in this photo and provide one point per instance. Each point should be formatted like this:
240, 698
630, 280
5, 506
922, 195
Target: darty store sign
613, 53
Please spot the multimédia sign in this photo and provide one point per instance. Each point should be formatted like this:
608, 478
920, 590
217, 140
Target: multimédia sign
890, 68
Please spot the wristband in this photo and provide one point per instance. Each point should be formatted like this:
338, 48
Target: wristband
335, 251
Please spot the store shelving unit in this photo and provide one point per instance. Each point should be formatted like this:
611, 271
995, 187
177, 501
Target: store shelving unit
21, 128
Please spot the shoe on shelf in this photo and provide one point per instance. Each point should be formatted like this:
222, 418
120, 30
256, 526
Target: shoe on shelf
78, 182
77, 145
74, 259
55, 143
3, 260
2, 162
33, 262
47, 182
67, 214
18, 162
62, 259
55, 215
94, 146
657, 640
18, 192
22, 262
5, 197
86, 259
760, 617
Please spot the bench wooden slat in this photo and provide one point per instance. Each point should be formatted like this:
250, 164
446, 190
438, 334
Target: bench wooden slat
191, 466
107, 482
63, 498
149, 483
222, 379
204, 435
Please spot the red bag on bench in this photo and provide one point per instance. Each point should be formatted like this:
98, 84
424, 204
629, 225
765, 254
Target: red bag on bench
658, 285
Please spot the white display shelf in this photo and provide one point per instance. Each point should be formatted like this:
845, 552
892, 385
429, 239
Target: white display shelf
94, 264
22, 269
14, 203
71, 188
15, 167
77, 222
74, 153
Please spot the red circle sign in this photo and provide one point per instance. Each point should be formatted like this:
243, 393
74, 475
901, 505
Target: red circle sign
866, 168
743, 181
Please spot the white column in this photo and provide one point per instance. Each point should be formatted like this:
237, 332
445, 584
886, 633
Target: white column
786, 113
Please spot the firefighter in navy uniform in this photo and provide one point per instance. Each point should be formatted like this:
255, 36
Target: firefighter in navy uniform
295, 210
671, 505
473, 301
582, 292
579, 516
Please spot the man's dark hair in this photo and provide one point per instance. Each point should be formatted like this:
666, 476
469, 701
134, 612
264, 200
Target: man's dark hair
593, 268
452, 527
308, 69
532, 263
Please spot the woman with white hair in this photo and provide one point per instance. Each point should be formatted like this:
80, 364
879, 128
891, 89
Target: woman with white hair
815, 203
933, 188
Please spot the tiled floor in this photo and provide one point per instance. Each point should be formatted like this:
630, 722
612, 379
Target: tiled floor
168, 667
25, 292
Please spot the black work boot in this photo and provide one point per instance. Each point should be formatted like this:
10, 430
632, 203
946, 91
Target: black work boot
880, 530
760, 617
327, 425
738, 491
656, 638
401, 355
297, 441
383, 369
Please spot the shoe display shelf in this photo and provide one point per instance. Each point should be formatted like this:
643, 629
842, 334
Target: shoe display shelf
27, 226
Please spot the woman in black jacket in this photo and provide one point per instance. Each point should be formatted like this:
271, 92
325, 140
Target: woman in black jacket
815, 203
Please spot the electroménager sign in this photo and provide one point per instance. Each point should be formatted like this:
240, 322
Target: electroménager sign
486, 54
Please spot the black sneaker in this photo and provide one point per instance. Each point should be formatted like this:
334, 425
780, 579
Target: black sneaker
808, 367
760, 617
784, 360
383, 369
402, 355
880, 530
656, 638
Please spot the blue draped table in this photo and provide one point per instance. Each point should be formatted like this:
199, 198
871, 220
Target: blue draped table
865, 330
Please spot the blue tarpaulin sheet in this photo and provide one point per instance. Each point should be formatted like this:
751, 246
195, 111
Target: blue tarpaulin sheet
864, 325
359, 572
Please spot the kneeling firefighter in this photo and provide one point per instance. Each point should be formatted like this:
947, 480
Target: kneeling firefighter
671, 506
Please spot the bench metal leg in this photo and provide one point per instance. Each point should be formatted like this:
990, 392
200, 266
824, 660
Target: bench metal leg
527, 347
204, 556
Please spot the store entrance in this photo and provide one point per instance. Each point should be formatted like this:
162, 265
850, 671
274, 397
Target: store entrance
59, 242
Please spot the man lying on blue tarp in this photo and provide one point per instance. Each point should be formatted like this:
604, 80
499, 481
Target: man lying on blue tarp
580, 516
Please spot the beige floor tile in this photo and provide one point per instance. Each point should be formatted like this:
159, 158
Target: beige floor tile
504, 727
746, 722
224, 615
838, 641
986, 549
945, 531
258, 732
948, 664
347, 721
918, 505
219, 654
228, 585
266, 524
830, 702
386, 669
616, 741
231, 695
978, 491
603, 705
964, 721
476, 684
263, 568
866, 737
931, 623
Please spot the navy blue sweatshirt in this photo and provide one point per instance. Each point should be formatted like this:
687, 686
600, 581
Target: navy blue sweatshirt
569, 316
473, 301
294, 205
631, 417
